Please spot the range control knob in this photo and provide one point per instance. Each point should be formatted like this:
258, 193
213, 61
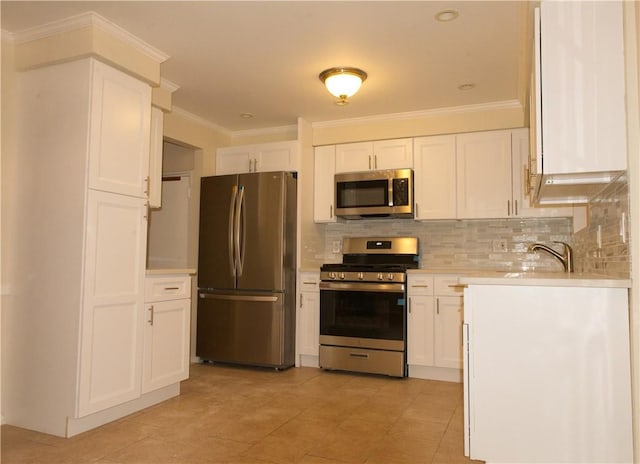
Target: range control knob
361, 275
342, 276
390, 277
380, 276
332, 275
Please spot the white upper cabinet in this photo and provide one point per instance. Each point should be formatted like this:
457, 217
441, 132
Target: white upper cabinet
275, 156
484, 175
120, 128
380, 154
578, 98
324, 186
155, 158
435, 177
521, 188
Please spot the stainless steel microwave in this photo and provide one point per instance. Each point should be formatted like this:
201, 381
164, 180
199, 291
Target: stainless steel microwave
372, 194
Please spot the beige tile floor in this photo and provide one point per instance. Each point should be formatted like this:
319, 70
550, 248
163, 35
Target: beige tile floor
243, 415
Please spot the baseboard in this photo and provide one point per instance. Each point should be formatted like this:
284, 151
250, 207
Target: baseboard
83, 424
436, 373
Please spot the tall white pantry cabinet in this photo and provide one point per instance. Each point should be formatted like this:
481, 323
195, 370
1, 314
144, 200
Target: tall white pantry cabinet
75, 330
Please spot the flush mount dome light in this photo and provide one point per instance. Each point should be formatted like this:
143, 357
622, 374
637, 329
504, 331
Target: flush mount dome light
343, 82
446, 15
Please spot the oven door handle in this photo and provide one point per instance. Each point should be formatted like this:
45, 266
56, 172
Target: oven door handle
362, 287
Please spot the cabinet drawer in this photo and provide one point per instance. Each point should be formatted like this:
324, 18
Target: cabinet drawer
162, 288
309, 281
447, 285
420, 284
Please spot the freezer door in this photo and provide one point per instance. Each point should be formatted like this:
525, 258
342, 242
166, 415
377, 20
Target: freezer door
215, 253
262, 231
244, 329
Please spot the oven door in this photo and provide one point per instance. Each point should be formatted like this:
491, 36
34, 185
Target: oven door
362, 314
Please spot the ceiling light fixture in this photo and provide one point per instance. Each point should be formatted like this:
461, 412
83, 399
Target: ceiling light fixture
466, 86
246, 115
343, 82
446, 15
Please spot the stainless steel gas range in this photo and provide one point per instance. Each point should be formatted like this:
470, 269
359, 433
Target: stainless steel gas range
363, 306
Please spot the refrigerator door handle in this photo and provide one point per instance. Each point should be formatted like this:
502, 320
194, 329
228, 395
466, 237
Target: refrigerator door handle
259, 298
236, 231
243, 226
234, 196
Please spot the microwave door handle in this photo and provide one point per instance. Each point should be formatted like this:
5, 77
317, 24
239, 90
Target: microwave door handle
232, 205
390, 191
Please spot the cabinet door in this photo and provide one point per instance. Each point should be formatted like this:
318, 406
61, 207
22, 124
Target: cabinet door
112, 314
281, 156
234, 160
448, 332
521, 190
324, 184
420, 331
309, 325
309, 314
435, 177
484, 175
583, 87
166, 343
155, 158
120, 128
393, 154
354, 157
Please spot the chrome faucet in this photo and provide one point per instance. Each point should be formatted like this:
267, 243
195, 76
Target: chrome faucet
566, 257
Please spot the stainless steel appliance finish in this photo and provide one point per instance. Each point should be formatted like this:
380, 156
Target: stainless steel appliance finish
363, 306
371, 194
246, 269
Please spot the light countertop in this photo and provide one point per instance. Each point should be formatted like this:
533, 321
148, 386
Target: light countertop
168, 271
547, 279
530, 278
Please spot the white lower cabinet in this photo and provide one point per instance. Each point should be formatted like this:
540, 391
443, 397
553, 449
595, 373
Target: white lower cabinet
111, 341
167, 329
434, 326
547, 374
308, 332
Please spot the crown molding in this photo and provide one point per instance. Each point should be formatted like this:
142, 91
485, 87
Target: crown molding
265, 131
89, 19
200, 121
167, 85
493, 106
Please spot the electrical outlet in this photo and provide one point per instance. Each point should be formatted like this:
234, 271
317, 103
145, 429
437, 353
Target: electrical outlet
336, 246
499, 245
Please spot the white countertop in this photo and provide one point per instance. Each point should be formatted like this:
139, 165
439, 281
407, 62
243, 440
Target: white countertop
190, 271
547, 279
532, 278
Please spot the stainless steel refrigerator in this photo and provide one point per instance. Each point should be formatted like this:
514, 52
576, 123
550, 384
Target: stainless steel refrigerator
246, 269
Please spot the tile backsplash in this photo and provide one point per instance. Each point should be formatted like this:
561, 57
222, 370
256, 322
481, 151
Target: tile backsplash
501, 244
473, 244
609, 214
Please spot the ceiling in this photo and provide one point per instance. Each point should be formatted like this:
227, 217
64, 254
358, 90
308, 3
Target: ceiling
263, 58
